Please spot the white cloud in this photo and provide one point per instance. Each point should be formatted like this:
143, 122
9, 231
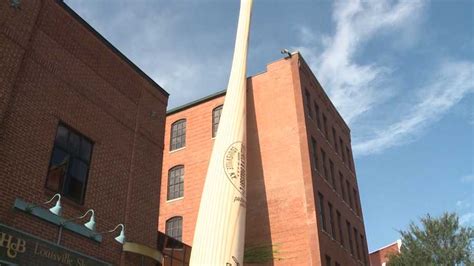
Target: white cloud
151, 35
178, 59
452, 82
467, 218
357, 88
463, 204
464, 207
468, 178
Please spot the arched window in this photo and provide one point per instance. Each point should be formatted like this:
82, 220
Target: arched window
216, 117
174, 227
178, 134
176, 182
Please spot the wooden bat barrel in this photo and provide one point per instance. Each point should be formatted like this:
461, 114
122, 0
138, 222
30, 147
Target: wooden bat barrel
220, 228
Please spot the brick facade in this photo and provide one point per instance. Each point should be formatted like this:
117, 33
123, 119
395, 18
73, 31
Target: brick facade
56, 68
283, 183
381, 256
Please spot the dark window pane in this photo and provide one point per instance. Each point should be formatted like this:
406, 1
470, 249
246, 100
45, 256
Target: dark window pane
175, 182
316, 107
322, 217
323, 158
308, 103
350, 237
57, 170
339, 225
216, 115
86, 148
341, 182
341, 143
174, 227
178, 135
61, 137
74, 143
331, 221
349, 158
356, 243
362, 241
331, 172
349, 194
73, 189
78, 169
59, 158
315, 153
356, 201
328, 260
325, 123
69, 164
76, 180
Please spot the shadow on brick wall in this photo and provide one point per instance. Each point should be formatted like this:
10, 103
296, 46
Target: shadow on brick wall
259, 249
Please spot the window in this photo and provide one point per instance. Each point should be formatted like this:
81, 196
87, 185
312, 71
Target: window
174, 227
175, 182
349, 194
349, 236
328, 260
341, 183
315, 153
339, 225
323, 155
178, 134
356, 201
342, 150
322, 218
334, 138
331, 172
362, 241
216, 116
331, 221
349, 158
325, 124
318, 121
308, 103
357, 243
69, 164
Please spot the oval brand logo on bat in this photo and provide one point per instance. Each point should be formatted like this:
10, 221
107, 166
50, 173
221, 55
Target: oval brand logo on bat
234, 167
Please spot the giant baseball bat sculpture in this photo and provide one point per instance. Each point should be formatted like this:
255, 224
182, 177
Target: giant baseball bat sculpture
220, 227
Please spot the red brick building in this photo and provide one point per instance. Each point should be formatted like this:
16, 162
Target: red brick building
380, 256
76, 118
302, 194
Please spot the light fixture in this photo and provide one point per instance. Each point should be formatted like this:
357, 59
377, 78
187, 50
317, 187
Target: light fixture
120, 238
15, 4
56, 209
90, 224
286, 52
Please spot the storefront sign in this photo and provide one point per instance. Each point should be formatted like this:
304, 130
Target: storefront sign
19, 248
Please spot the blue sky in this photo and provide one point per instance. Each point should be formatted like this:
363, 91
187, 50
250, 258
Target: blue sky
400, 72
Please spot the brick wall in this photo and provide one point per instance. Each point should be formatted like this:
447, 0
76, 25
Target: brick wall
56, 68
331, 244
282, 185
380, 257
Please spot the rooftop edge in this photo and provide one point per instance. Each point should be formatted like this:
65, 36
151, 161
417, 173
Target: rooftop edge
110, 46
